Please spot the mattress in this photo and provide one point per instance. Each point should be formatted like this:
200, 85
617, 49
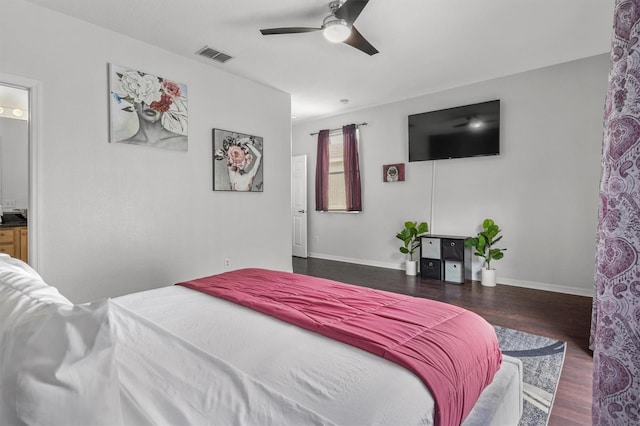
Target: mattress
331, 382
173, 356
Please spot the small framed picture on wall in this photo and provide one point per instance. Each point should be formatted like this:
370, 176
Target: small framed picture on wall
393, 172
237, 161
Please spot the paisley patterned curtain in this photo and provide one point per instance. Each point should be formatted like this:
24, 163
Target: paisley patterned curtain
615, 327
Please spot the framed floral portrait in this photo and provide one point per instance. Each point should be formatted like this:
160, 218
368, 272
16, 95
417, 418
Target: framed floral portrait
237, 162
393, 172
147, 110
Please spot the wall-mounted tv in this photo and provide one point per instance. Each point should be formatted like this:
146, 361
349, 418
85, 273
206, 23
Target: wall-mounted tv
465, 131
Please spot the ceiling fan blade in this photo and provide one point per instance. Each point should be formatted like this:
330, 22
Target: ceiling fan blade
359, 42
288, 30
350, 10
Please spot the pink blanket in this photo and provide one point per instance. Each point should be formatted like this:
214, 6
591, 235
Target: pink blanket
454, 351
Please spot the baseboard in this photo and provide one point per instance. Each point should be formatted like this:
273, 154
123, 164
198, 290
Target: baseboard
547, 287
365, 262
504, 281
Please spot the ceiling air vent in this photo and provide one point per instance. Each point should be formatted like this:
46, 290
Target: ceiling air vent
210, 53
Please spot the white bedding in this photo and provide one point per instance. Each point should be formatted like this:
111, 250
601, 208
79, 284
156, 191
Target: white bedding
57, 364
339, 383
167, 381
174, 356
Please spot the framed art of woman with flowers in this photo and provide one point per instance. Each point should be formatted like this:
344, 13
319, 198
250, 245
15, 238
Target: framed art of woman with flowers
237, 162
147, 110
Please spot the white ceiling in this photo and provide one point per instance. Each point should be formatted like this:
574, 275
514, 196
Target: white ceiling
425, 45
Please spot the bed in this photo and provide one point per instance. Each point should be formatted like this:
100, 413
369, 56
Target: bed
174, 355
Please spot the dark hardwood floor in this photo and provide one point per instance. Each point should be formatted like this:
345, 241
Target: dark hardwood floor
556, 315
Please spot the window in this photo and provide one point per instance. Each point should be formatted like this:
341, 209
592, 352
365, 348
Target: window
337, 193
338, 171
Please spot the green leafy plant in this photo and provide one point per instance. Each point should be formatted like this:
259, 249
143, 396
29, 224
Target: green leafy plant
409, 236
484, 242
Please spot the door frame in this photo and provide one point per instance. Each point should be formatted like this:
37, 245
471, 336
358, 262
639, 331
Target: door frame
35, 131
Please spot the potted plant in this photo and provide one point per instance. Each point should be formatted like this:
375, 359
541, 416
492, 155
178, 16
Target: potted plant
409, 236
484, 247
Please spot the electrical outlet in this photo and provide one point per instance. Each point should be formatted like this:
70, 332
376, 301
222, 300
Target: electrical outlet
316, 239
227, 263
9, 204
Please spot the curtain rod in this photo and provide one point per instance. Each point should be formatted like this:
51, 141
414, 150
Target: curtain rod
335, 130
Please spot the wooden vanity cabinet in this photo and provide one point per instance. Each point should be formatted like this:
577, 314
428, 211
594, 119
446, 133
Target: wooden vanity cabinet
14, 242
24, 244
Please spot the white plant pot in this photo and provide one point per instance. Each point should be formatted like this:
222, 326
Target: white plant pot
488, 277
411, 267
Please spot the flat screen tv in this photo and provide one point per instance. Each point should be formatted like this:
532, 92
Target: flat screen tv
465, 131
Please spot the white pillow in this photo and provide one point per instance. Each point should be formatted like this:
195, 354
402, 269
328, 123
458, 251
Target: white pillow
24, 298
20, 277
56, 359
69, 375
6, 260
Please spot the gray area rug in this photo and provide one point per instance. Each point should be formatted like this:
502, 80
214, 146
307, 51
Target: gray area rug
542, 360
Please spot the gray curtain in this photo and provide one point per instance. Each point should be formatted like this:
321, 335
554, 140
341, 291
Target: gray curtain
615, 326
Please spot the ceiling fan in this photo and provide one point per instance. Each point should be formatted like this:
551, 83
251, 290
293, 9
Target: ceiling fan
474, 122
337, 27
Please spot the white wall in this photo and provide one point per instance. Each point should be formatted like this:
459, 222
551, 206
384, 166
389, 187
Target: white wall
542, 190
14, 166
117, 218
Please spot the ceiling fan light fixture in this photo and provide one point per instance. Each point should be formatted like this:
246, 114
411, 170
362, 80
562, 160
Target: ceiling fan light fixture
336, 31
475, 123
337, 26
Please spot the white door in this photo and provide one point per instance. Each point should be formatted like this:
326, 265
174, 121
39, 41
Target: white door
299, 204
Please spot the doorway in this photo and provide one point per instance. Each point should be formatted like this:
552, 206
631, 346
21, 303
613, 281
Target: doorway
12, 197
